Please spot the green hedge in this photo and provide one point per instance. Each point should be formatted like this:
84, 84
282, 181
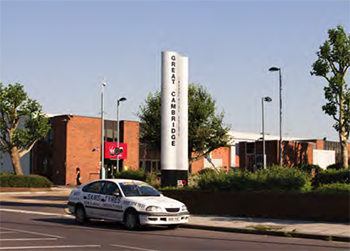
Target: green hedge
11, 180
334, 188
206, 171
332, 176
270, 179
337, 166
131, 174
4, 173
151, 178
308, 168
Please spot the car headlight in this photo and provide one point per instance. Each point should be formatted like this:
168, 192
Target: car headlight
184, 208
153, 209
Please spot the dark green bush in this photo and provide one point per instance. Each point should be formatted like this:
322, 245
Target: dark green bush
336, 166
214, 181
282, 179
332, 176
154, 179
36, 181
271, 179
334, 188
131, 174
206, 171
4, 173
308, 168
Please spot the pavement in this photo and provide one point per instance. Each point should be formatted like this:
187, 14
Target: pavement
330, 231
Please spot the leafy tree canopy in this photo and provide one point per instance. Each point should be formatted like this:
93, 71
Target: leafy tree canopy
206, 131
332, 64
22, 123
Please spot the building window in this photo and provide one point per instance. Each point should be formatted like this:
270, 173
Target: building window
251, 148
109, 135
148, 166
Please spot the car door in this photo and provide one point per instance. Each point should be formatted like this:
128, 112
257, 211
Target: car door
112, 206
92, 198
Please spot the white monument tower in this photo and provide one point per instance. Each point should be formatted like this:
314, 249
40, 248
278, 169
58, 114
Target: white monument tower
174, 124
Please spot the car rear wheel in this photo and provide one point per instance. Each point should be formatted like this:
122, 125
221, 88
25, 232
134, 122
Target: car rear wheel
131, 220
80, 215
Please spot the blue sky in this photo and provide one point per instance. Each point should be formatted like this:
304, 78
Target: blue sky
61, 51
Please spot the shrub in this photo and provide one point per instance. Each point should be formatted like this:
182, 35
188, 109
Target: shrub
271, 179
154, 179
282, 179
131, 174
308, 168
4, 173
206, 171
214, 181
193, 180
334, 188
24, 181
336, 166
332, 176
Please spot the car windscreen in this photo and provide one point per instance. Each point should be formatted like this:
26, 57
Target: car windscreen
138, 189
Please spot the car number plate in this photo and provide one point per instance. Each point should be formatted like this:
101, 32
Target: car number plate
171, 219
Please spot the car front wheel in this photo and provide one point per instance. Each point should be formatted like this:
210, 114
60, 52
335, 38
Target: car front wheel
131, 220
80, 215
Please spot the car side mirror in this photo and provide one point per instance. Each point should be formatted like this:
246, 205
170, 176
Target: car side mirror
116, 194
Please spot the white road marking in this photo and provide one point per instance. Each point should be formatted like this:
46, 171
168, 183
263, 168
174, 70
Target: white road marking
31, 232
6, 232
33, 212
144, 249
47, 247
30, 239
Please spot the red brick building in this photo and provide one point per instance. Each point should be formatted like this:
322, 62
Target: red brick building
294, 152
75, 141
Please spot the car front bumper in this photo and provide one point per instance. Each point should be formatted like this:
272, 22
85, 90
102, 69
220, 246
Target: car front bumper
71, 207
163, 218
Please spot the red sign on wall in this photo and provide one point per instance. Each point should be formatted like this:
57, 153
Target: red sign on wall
110, 148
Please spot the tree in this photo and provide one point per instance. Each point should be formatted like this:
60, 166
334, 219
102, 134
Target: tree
206, 130
333, 64
22, 123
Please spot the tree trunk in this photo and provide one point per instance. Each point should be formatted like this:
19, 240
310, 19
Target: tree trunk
16, 161
342, 133
344, 151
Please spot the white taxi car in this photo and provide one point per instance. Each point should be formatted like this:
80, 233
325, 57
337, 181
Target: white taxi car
133, 202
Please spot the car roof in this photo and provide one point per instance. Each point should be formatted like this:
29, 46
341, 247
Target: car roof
121, 180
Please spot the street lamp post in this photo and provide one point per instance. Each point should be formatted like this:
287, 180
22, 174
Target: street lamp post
280, 87
265, 99
102, 169
119, 100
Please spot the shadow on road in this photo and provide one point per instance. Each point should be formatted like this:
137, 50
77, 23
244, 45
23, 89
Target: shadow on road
49, 198
30, 204
100, 224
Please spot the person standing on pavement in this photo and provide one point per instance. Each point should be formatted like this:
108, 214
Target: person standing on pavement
78, 177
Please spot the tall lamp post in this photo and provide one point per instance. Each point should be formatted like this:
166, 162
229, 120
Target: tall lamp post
119, 100
102, 168
280, 87
265, 99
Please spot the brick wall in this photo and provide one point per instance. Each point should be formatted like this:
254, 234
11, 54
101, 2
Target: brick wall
83, 135
297, 153
224, 154
131, 137
294, 153
197, 165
